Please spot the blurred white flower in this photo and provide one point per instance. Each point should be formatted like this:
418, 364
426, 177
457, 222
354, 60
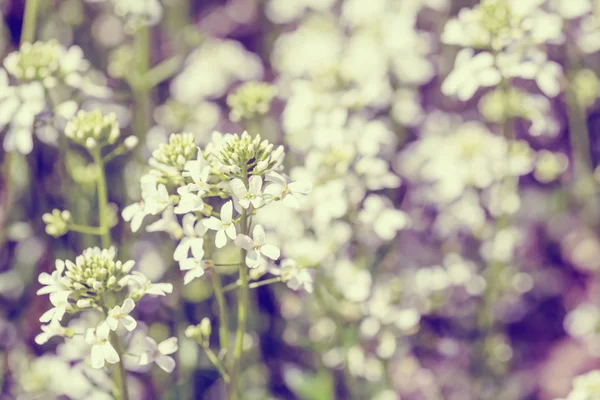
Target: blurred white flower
193, 240
295, 277
470, 73
19, 105
257, 247
290, 193
159, 353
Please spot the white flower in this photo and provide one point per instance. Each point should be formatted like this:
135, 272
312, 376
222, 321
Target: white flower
55, 282
246, 197
167, 223
19, 106
135, 214
60, 301
140, 285
102, 349
586, 387
49, 331
193, 240
193, 267
470, 73
289, 193
384, 220
570, 9
295, 277
199, 171
256, 247
121, 314
188, 202
159, 353
156, 198
224, 226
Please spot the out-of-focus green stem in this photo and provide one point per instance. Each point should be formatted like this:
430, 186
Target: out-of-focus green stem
87, 230
102, 200
223, 316
141, 91
583, 169
242, 314
120, 374
253, 285
217, 363
29, 21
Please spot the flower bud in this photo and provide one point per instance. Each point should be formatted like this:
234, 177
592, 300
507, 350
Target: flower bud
92, 129
57, 223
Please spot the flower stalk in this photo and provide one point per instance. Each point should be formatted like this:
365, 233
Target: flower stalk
243, 299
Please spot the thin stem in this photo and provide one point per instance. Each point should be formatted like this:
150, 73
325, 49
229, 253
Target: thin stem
253, 285
162, 72
242, 316
29, 21
102, 200
120, 374
223, 316
87, 230
583, 169
141, 92
217, 363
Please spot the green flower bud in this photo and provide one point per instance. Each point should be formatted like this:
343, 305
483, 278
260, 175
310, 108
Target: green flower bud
180, 149
251, 100
92, 129
57, 222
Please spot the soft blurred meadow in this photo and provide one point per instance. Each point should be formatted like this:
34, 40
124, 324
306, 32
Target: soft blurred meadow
411, 214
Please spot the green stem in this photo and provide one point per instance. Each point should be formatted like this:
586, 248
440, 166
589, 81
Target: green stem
223, 317
253, 285
217, 363
141, 91
29, 21
102, 200
120, 374
242, 316
583, 169
162, 72
87, 230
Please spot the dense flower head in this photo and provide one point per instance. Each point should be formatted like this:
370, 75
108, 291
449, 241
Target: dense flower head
244, 153
180, 149
251, 100
46, 62
92, 129
96, 271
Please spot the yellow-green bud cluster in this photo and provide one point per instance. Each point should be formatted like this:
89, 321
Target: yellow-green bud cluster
39, 61
251, 100
201, 332
249, 154
92, 129
95, 272
180, 149
57, 222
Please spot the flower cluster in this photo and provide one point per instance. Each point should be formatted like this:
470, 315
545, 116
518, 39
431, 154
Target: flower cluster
237, 172
97, 283
92, 129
